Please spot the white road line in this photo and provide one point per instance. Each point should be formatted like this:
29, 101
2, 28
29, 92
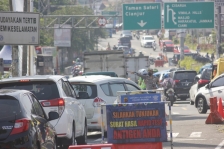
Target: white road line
195, 134
176, 139
184, 108
173, 134
98, 140
93, 133
175, 113
220, 145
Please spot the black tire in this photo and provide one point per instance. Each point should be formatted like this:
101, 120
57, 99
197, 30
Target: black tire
191, 102
82, 140
202, 105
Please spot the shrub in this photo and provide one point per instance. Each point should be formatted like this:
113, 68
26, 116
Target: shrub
190, 64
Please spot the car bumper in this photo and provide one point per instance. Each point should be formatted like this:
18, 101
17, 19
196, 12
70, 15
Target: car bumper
18, 141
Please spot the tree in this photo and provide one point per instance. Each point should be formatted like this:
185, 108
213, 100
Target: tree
4, 5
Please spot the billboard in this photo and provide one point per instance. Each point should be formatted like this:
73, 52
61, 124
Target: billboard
62, 37
19, 28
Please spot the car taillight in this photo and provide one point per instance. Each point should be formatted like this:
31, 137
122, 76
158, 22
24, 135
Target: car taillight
201, 81
176, 81
21, 125
59, 102
97, 102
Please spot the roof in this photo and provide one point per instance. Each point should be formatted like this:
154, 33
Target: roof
11, 92
95, 78
36, 77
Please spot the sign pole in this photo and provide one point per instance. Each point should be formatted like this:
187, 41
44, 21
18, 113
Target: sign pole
218, 32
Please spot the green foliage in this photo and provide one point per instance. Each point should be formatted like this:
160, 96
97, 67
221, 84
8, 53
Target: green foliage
190, 64
4, 5
175, 40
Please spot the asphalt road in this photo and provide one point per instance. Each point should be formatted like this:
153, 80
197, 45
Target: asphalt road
189, 128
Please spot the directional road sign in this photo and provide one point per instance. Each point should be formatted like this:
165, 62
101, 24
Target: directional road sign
141, 16
186, 15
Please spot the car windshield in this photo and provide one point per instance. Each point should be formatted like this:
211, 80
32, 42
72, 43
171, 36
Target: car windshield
43, 90
9, 107
83, 88
168, 42
148, 38
184, 75
207, 74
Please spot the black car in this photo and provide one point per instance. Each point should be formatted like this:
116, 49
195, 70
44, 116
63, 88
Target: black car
183, 81
124, 41
176, 57
23, 123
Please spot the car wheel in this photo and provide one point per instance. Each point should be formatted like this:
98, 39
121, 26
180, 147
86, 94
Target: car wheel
70, 141
201, 105
82, 140
191, 102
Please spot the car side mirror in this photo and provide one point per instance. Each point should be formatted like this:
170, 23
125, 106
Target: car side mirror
53, 115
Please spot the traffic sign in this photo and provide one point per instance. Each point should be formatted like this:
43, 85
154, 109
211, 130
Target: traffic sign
139, 16
186, 15
102, 21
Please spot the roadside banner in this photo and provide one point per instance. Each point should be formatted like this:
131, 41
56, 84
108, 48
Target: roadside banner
136, 123
152, 97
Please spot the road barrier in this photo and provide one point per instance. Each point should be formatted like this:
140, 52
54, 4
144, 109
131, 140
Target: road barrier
93, 146
159, 63
214, 117
220, 108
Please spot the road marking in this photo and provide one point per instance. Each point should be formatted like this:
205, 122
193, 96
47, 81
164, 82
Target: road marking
173, 134
176, 139
175, 105
195, 134
93, 133
184, 108
175, 113
220, 145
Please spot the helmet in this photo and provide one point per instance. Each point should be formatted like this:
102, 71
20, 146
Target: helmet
143, 72
166, 75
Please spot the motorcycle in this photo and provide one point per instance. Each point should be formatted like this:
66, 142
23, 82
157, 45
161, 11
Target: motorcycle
75, 71
151, 60
170, 96
154, 47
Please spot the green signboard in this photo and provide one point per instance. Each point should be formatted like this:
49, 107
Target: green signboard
141, 16
186, 15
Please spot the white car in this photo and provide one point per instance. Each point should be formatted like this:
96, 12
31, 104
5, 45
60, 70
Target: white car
95, 90
214, 89
55, 93
146, 41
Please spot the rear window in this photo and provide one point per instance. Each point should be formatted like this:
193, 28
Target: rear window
43, 90
184, 75
207, 74
125, 39
9, 107
82, 89
168, 42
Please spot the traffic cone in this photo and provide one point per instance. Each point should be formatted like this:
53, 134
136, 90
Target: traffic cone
220, 108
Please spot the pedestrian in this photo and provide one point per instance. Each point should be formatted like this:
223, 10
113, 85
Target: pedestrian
212, 57
198, 49
150, 81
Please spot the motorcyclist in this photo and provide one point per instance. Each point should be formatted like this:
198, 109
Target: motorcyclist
114, 47
151, 82
167, 82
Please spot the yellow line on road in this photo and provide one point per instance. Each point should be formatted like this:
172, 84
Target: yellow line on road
175, 105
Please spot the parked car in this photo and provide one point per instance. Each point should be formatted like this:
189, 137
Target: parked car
214, 89
177, 49
93, 91
200, 80
55, 93
23, 122
124, 41
146, 41
166, 45
183, 80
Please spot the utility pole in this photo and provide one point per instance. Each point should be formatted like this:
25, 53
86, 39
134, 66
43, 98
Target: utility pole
218, 35
182, 37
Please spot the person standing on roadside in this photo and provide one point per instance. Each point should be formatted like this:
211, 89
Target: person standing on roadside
198, 48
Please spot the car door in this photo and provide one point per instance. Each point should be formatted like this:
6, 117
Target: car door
44, 125
194, 88
216, 89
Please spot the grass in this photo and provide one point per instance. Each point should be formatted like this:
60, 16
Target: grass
190, 64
